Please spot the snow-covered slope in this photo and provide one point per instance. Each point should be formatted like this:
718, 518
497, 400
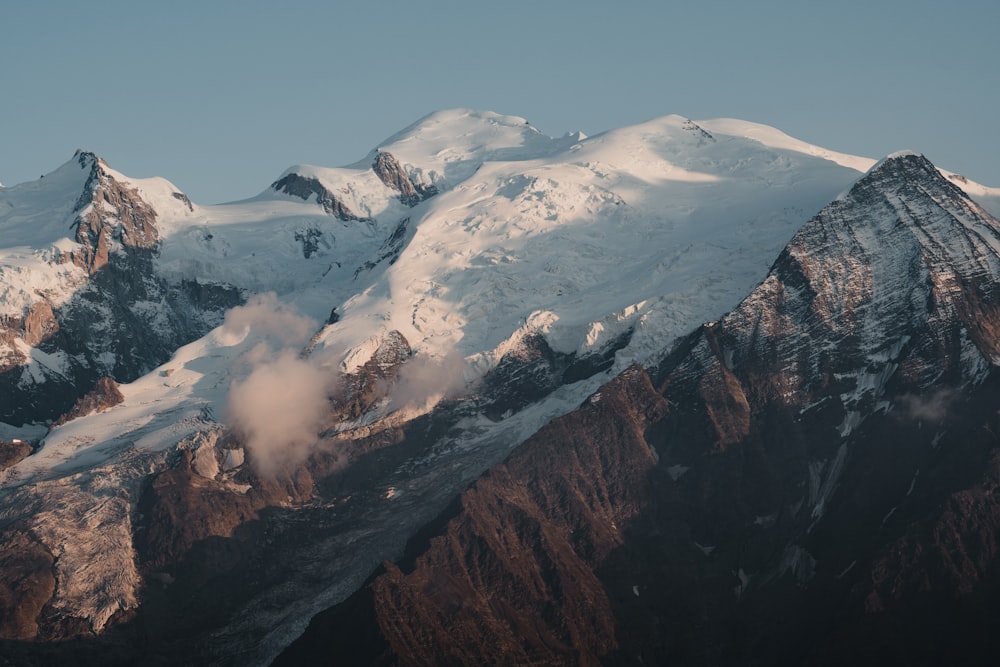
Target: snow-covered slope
563, 233
579, 239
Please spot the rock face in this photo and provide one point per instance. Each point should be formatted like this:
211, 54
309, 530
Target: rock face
305, 187
108, 212
13, 451
810, 482
123, 321
391, 173
104, 395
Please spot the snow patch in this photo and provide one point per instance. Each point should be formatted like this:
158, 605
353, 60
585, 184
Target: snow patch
823, 477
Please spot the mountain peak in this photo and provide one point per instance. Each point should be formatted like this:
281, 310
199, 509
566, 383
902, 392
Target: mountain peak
898, 172
898, 159
85, 158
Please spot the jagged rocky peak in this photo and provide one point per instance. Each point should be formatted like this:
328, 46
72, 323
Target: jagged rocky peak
109, 211
895, 281
86, 159
855, 382
305, 187
392, 174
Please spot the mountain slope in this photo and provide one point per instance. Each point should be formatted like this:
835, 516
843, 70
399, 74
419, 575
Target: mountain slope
812, 487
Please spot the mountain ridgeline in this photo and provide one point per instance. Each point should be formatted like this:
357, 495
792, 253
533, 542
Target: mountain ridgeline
680, 393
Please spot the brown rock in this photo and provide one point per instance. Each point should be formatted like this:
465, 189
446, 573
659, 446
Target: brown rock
103, 396
109, 210
40, 323
12, 452
27, 582
304, 187
511, 579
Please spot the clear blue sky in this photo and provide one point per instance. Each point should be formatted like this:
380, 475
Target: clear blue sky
221, 97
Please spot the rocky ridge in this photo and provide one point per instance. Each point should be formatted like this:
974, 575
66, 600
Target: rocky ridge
121, 321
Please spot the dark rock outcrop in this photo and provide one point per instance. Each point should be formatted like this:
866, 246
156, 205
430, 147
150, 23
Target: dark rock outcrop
311, 240
305, 187
103, 396
372, 382
532, 370
13, 451
390, 172
390, 248
27, 583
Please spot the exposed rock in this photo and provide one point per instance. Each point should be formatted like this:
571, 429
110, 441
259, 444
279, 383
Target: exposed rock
182, 508
27, 584
388, 169
532, 370
180, 196
372, 381
109, 212
304, 187
39, 324
122, 323
390, 249
13, 451
103, 396
311, 239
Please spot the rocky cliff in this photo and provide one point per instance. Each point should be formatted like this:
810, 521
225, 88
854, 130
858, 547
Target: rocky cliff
122, 320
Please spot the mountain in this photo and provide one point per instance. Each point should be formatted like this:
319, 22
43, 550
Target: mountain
803, 481
223, 419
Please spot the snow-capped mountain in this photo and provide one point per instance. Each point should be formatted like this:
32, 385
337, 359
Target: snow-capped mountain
807, 480
308, 377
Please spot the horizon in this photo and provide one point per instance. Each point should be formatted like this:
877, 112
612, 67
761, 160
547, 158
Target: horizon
220, 100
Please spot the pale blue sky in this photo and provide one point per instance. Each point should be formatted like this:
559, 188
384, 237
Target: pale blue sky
221, 97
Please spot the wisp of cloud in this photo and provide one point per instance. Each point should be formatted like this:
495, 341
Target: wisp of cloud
278, 407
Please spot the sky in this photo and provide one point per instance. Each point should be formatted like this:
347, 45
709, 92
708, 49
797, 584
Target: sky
221, 97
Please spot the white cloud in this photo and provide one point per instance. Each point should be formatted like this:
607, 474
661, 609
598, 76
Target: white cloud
279, 409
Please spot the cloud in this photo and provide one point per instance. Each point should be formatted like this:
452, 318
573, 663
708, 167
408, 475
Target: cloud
424, 380
267, 317
929, 408
279, 402
279, 409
